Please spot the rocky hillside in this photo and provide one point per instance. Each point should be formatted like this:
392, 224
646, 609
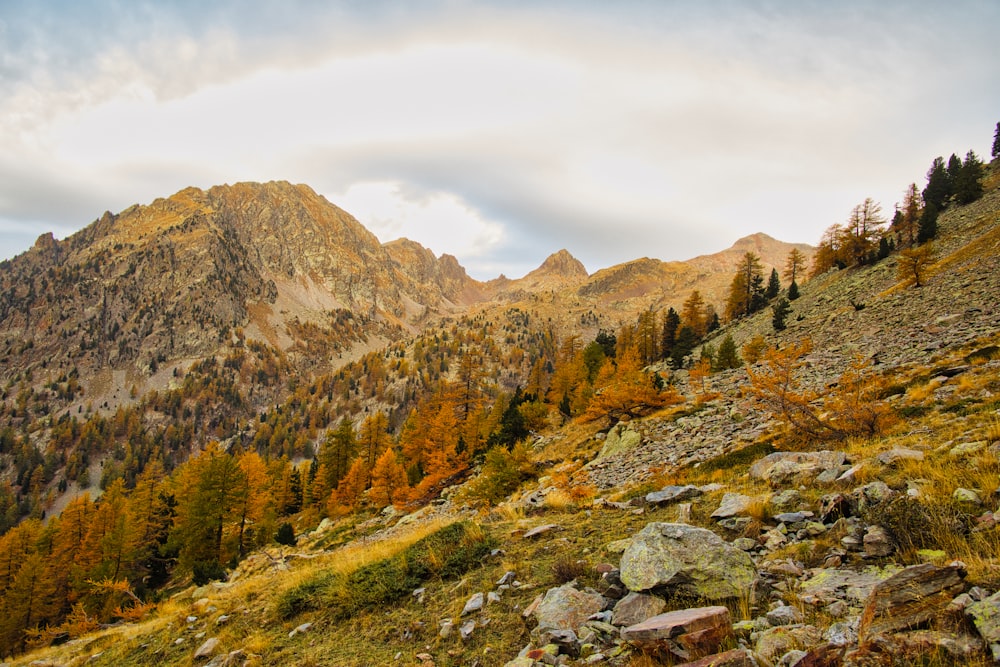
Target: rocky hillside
709, 533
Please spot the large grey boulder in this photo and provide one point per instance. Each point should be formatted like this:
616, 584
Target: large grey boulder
985, 615
688, 560
781, 468
566, 608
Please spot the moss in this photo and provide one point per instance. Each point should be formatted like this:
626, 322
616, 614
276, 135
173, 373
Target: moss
744, 456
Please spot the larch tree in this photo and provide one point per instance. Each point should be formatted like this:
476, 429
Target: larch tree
996, 143
746, 291
913, 263
795, 264
693, 313
862, 230
389, 484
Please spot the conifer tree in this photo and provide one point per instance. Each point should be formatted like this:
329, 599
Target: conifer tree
693, 314
780, 313
389, 485
746, 292
928, 224
967, 185
938, 188
727, 357
793, 291
996, 143
671, 324
795, 264
773, 285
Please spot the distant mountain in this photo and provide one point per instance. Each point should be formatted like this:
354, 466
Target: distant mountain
135, 295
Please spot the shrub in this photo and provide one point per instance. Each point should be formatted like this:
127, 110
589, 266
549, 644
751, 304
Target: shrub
203, 572
285, 534
502, 472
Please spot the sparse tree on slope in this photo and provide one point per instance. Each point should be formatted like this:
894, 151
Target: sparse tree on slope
795, 264
996, 143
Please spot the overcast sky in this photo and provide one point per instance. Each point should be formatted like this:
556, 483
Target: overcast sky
498, 132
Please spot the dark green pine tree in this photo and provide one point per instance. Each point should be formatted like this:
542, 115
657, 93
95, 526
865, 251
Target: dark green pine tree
671, 323
928, 224
686, 340
938, 188
758, 293
773, 285
780, 312
793, 291
968, 187
996, 143
727, 356
954, 171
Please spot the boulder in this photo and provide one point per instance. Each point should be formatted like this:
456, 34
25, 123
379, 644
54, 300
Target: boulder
910, 598
635, 608
206, 650
691, 560
733, 504
776, 642
687, 634
985, 615
739, 657
781, 468
474, 604
566, 608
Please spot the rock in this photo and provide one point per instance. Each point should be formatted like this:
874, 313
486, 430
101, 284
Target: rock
620, 439
565, 640
786, 499
540, 530
877, 542
985, 615
780, 468
842, 634
745, 543
899, 454
507, 579
824, 655
447, 627
672, 494
635, 608
872, 495
776, 642
967, 496
492, 597
566, 608
688, 559
784, 615
300, 629
963, 649
206, 650
911, 597
465, 632
967, 448
792, 517
791, 658
733, 504
474, 604
687, 634
825, 586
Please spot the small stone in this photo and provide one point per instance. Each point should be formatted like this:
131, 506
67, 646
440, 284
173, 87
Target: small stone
540, 530
466, 630
877, 542
206, 650
474, 604
492, 597
733, 504
507, 579
899, 454
447, 627
785, 615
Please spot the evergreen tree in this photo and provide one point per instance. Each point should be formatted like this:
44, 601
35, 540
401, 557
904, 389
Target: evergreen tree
928, 224
938, 188
996, 143
686, 341
954, 170
608, 342
773, 285
727, 356
712, 318
671, 323
780, 311
968, 187
746, 292
793, 291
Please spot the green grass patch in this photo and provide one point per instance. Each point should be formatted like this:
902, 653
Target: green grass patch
914, 411
447, 553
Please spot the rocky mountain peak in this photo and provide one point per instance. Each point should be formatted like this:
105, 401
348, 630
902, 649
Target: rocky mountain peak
560, 263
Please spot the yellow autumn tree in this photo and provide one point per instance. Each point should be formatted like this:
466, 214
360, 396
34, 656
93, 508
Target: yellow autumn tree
389, 485
624, 390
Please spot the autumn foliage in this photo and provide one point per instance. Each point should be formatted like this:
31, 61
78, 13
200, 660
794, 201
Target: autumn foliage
850, 408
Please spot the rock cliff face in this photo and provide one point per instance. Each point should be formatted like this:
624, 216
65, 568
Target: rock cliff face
165, 281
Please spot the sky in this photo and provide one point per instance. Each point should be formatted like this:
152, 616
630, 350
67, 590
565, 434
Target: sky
498, 132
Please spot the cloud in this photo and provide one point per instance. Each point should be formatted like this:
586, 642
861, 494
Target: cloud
497, 132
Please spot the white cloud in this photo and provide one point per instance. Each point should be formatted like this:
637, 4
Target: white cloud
501, 134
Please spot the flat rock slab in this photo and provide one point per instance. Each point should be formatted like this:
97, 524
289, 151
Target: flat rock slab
910, 598
985, 615
635, 608
733, 504
688, 633
673, 494
899, 454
